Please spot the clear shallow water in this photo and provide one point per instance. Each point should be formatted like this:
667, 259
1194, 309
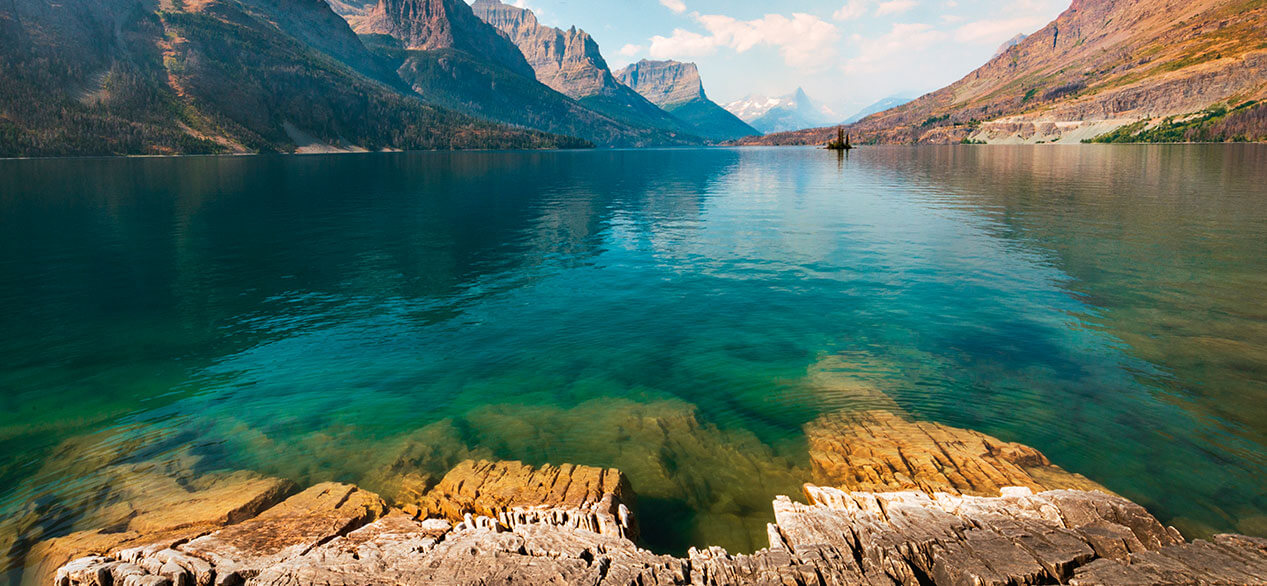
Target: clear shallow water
680, 315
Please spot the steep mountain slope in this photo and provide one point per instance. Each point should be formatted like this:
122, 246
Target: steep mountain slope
570, 62
453, 59
790, 112
676, 87
1101, 65
130, 77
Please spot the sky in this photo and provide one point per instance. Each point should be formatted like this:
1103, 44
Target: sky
847, 54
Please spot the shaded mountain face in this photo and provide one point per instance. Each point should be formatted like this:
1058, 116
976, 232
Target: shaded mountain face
128, 77
790, 112
443, 52
428, 25
1101, 65
676, 87
569, 61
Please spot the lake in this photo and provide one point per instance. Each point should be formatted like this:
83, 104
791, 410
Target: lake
678, 314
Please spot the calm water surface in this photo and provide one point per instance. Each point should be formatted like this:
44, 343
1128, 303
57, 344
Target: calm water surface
680, 315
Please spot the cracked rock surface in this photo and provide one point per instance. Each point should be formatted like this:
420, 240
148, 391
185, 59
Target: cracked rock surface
334, 534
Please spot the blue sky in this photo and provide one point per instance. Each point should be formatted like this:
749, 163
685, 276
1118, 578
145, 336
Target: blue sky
845, 53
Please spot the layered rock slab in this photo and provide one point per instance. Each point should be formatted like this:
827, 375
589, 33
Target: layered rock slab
584, 497
289, 529
162, 510
839, 537
878, 451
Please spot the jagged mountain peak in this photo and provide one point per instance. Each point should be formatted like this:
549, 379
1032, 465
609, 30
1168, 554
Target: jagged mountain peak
443, 24
789, 112
569, 61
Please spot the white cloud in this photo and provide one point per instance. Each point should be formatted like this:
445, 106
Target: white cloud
678, 6
631, 50
804, 41
851, 10
894, 7
902, 41
989, 32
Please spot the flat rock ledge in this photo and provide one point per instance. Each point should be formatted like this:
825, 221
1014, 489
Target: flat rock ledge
337, 534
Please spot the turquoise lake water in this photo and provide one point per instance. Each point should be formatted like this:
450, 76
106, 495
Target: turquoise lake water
678, 314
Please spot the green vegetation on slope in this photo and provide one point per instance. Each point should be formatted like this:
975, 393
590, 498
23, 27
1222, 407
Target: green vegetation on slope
1246, 122
711, 121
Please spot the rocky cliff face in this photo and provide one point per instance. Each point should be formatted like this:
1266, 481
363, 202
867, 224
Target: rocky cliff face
676, 87
569, 61
1101, 63
665, 83
428, 25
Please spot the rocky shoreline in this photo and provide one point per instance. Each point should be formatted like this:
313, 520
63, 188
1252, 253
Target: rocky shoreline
893, 502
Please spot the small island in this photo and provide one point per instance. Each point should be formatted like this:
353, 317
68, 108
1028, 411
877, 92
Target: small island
841, 143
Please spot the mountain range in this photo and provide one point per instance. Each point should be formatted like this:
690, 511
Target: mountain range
96, 77
211, 76
1104, 70
676, 87
790, 112
101, 77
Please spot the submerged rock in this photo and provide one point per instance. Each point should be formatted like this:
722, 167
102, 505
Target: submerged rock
880, 451
162, 510
941, 506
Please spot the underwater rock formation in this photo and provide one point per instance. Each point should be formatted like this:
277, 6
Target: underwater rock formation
916, 503
881, 451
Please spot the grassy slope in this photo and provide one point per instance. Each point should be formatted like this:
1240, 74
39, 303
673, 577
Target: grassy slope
711, 121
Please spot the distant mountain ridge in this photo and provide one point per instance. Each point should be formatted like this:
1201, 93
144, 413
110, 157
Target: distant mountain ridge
1140, 70
879, 106
454, 59
676, 87
569, 61
791, 112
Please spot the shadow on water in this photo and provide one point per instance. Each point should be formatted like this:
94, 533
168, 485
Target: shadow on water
666, 525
